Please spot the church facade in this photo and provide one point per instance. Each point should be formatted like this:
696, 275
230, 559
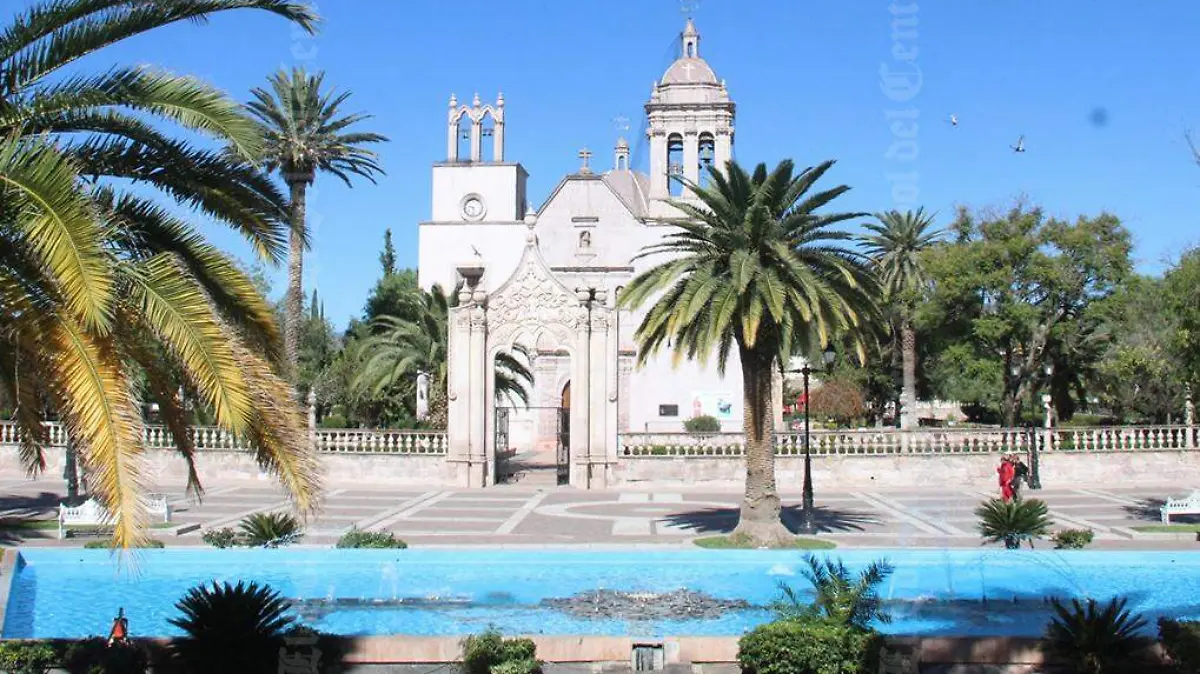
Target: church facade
547, 279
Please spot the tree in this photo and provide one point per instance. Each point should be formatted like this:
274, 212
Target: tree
399, 349
1005, 288
304, 133
1182, 283
102, 286
753, 267
387, 259
898, 246
838, 400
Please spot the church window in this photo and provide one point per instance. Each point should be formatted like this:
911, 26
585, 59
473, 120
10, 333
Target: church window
464, 137
675, 164
585, 239
622, 162
668, 410
488, 132
707, 154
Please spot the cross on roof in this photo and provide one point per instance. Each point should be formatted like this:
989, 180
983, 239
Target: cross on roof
687, 68
584, 155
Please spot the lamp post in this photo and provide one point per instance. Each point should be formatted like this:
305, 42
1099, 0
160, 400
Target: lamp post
1035, 477
807, 525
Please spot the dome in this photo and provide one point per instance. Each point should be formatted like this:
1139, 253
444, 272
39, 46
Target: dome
690, 71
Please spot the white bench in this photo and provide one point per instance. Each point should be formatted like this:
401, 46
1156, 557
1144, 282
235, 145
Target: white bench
1188, 505
91, 514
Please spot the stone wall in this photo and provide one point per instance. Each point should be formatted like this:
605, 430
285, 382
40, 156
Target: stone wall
166, 469
1058, 469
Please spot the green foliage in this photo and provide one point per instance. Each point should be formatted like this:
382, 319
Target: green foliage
334, 420
809, 646
220, 538
231, 628
26, 657
839, 401
1014, 291
1073, 539
1094, 639
741, 542
704, 423
150, 543
395, 294
356, 538
490, 652
95, 656
1181, 641
269, 530
1182, 285
838, 596
387, 258
1013, 522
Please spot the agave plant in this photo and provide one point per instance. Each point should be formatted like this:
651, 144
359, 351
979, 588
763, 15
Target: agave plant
840, 596
1013, 522
1094, 638
269, 530
231, 628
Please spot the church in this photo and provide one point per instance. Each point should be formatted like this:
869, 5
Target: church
524, 273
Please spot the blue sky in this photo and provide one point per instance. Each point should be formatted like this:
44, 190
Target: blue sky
806, 78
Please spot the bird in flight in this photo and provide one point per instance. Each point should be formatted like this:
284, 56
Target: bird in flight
1020, 146
476, 251
953, 120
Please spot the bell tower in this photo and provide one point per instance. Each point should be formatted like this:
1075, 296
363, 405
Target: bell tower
475, 183
690, 125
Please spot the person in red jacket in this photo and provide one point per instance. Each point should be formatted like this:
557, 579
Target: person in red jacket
1007, 472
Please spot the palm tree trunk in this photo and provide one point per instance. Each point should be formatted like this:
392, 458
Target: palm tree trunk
760, 515
293, 304
71, 472
908, 402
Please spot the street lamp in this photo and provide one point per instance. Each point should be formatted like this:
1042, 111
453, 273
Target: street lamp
1035, 477
807, 525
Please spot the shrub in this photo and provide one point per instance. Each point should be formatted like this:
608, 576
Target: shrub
1013, 522
808, 646
220, 538
269, 530
838, 596
93, 656
838, 400
334, 420
489, 653
1073, 539
26, 657
1181, 641
357, 538
96, 545
1092, 638
703, 423
231, 628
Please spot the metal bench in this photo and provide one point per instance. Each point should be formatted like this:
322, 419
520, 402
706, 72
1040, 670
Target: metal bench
1188, 505
91, 514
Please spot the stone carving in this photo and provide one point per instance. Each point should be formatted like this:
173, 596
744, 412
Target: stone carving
532, 297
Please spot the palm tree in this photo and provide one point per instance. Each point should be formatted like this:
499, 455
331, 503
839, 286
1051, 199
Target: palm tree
231, 628
1013, 522
839, 596
304, 133
101, 285
897, 246
754, 267
1094, 639
400, 349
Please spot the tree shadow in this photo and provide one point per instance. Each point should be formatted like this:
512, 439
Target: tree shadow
1149, 510
723, 520
18, 513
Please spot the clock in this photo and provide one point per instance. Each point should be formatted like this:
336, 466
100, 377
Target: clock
473, 208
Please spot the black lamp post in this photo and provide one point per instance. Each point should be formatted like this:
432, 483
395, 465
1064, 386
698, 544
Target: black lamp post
807, 525
1035, 477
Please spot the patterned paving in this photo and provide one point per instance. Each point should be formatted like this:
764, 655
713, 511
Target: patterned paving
523, 516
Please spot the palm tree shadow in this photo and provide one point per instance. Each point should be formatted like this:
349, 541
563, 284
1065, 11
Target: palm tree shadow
1149, 510
16, 512
723, 520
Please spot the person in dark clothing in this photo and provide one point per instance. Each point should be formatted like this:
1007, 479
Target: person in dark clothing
1020, 475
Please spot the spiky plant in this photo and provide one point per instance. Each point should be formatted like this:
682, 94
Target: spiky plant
305, 133
1013, 522
839, 595
231, 628
103, 283
1094, 638
757, 270
269, 530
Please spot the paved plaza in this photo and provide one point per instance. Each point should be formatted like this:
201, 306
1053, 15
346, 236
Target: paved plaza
526, 515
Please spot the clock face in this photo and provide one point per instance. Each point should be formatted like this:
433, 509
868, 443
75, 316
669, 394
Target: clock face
472, 208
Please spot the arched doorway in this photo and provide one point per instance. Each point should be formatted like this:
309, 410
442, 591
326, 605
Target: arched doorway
563, 455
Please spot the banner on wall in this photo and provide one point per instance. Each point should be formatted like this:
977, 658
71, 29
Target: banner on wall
719, 405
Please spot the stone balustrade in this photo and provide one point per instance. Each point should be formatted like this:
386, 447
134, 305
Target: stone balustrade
327, 441
888, 441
